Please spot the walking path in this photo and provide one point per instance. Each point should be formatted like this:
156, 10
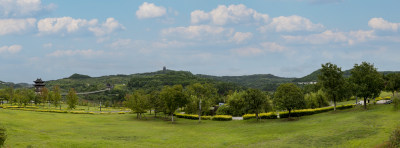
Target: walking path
237, 118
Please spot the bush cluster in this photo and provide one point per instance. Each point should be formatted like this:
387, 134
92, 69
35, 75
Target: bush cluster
295, 113
222, 118
192, 117
394, 140
196, 117
305, 112
270, 115
3, 136
81, 112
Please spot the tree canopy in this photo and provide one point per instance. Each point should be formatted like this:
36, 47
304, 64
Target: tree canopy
289, 97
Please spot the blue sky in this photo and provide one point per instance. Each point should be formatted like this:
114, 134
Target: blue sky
289, 38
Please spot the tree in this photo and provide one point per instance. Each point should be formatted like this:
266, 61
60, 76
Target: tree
173, 97
332, 81
56, 96
368, 82
137, 102
202, 96
44, 95
237, 103
255, 100
9, 94
392, 82
72, 99
289, 97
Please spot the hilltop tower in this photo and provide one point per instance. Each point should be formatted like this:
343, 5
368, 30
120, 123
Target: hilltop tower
164, 69
39, 85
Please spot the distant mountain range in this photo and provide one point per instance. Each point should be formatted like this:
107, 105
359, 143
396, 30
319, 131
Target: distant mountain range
266, 82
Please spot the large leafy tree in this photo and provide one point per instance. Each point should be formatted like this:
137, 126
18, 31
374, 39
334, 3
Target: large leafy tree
56, 96
72, 99
255, 100
137, 102
392, 82
44, 95
367, 80
201, 96
173, 97
237, 103
332, 81
289, 97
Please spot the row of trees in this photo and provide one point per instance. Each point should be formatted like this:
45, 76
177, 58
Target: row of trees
25, 96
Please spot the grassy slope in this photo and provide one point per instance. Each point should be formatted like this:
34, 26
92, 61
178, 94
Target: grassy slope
348, 128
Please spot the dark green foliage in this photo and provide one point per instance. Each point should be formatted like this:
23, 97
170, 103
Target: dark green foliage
224, 110
289, 97
392, 82
394, 141
173, 97
138, 102
78, 76
266, 82
396, 102
255, 101
333, 82
206, 93
237, 103
72, 99
368, 82
3, 136
305, 112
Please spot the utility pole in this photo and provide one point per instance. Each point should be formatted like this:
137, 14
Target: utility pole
200, 110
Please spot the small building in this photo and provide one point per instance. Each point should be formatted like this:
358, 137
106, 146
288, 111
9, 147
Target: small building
39, 85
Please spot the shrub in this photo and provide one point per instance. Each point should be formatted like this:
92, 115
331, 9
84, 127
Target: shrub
224, 110
192, 117
121, 112
269, 115
3, 136
396, 102
222, 118
305, 112
81, 112
394, 140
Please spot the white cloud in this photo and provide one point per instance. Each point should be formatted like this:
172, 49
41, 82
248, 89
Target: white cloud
272, 47
329, 36
198, 16
20, 8
149, 10
68, 24
247, 51
228, 14
240, 37
381, 24
291, 24
64, 25
107, 27
48, 45
196, 32
121, 43
10, 49
86, 53
9, 26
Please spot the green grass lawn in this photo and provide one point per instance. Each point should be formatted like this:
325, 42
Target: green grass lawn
346, 128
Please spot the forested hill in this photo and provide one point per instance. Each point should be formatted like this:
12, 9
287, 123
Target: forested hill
18, 85
313, 77
266, 82
147, 81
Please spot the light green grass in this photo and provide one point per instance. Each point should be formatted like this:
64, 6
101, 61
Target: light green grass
346, 128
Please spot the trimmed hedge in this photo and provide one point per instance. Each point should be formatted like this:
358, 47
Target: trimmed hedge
296, 113
192, 117
196, 117
222, 118
269, 115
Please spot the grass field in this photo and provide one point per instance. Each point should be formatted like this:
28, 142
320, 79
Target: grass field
346, 128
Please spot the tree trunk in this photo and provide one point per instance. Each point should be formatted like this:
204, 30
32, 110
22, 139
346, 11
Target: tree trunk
289, 113
155, 113
365, 102
257, 115
356, 100
334, 104
200, 111
150, 111
172, 117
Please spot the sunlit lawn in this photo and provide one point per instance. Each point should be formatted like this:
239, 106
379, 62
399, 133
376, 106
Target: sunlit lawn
346, 128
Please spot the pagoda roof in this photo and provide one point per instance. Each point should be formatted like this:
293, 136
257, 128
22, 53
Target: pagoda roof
39, 80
